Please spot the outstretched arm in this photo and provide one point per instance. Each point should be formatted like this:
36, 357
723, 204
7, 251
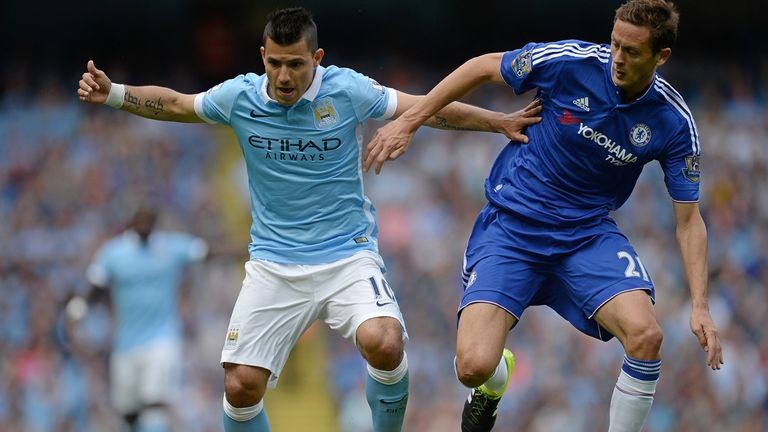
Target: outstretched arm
392, 140
153, 102
692, 239
461, 116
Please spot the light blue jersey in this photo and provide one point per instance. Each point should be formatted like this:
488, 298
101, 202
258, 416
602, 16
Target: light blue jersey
143, 281
304, 162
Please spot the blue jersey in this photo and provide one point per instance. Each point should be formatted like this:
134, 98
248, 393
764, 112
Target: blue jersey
143, 280
304, 162
584, 158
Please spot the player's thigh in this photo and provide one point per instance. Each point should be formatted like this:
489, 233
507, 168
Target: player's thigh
356, 292
160, 380
602, 269
482, 332
276, 305
124, 368
510, 284
497, 291
628, 313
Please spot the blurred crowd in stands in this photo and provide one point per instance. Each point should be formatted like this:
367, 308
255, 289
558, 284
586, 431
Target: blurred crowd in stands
71, 175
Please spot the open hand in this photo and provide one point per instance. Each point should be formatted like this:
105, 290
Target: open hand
388, 143
514, 124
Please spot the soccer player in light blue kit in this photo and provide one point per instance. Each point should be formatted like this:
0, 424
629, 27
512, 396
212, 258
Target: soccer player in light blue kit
546, 237
142, 269
314, 252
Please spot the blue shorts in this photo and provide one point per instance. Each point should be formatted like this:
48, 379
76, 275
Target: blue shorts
515, 262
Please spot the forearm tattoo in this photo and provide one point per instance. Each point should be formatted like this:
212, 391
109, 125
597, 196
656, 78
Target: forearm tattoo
156, 107
442, 123
132, 100
153, 106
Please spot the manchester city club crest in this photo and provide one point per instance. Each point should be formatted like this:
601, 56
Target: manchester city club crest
640, 134
324, 113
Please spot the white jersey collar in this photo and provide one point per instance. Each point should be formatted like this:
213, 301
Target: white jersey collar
309, 95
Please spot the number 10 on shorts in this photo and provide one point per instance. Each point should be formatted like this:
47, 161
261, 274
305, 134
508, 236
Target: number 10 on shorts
388, 296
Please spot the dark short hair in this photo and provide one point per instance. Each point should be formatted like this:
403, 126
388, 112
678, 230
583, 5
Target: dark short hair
290, 25
659, 16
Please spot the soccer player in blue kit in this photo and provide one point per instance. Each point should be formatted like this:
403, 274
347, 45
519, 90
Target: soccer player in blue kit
545, 237
314, 252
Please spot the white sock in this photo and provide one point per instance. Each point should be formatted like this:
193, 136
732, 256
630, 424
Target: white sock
242, 414
390, 377
498, 380
630, 403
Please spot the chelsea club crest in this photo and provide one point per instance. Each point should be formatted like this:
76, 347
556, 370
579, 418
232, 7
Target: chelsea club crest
640, 134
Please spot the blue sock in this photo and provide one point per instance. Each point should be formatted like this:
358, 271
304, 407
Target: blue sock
256, 423
645, 370
388, 401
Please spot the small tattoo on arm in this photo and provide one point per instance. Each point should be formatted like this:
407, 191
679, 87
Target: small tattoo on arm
133, 100
442, 123
155, 106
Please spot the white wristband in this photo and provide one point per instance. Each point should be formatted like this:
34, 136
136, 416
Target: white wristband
116, 96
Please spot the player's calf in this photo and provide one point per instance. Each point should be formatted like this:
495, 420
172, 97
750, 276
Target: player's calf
380, 341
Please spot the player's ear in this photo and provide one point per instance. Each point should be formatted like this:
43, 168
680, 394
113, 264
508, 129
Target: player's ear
318, 56
261, 50
663, 56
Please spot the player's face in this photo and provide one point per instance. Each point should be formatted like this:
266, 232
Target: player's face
143, 222
290, 69
633, 60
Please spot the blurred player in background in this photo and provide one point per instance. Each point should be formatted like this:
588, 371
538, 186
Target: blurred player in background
314, 249
142, 270
546, 236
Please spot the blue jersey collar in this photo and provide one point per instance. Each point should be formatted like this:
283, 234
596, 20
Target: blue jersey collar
309, 95
617, 90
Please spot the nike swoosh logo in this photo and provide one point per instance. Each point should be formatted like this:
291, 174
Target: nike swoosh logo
382, 303
254, 114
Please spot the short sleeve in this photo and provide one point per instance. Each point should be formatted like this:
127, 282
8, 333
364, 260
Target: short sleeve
215, 105
189, 248
537, 65
682, 165
98, 273
369, 98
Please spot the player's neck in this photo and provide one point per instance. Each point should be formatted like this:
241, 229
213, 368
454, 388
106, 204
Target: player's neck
632, 94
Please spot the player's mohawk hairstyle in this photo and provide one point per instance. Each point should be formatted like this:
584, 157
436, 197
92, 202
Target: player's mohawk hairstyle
660, 16
290, 25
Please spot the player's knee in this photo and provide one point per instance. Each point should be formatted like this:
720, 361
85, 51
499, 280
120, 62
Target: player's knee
473, 371
381, 344
645, 342
244, 385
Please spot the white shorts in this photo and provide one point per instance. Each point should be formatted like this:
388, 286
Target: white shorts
145, 376
279, 302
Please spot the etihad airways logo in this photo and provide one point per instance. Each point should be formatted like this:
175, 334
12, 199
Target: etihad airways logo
294, 149
617, 155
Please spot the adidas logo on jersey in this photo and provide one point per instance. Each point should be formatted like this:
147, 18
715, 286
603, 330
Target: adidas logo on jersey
582, 103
